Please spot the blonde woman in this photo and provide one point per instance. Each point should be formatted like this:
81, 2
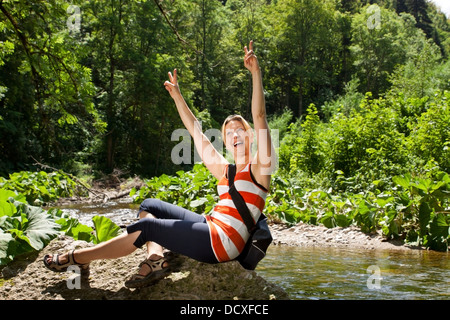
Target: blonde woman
215, 238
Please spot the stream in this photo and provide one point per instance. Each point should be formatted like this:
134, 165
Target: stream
331, 273
316, 273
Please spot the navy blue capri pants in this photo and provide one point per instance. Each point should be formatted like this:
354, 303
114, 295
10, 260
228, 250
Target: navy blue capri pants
176, 229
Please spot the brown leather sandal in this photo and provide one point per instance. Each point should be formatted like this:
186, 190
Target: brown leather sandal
157, 272
56, 266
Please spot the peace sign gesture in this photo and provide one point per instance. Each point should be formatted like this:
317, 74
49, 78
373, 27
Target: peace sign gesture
250, 60
172, 84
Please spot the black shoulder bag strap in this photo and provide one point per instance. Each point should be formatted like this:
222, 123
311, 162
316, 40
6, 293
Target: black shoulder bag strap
238, 200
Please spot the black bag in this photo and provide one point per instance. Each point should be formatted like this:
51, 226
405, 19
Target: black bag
260, 236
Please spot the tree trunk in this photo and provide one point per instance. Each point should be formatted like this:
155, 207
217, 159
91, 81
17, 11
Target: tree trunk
300, 97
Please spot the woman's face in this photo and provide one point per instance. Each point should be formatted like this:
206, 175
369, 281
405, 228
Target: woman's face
237, 139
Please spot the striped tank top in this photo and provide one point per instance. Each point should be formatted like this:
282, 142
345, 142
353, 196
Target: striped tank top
227, 228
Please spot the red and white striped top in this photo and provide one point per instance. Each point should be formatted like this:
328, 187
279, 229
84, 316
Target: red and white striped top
227, 228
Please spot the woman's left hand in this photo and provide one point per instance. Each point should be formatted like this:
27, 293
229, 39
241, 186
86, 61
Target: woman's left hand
250, 59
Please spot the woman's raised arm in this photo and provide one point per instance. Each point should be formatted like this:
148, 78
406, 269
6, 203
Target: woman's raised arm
264, 161
212, 159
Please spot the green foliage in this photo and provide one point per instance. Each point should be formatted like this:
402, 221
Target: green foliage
41, 187
26, 228
195, 189
23, 228
418, 210
385, 167
368, 142
105, 229
308, 155
423, 209
72, 227
378, 47
430, 133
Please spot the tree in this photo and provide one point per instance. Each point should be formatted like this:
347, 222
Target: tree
213, 66
307, 48
417, 77
132, 49
379, 40
47, 106
247, 19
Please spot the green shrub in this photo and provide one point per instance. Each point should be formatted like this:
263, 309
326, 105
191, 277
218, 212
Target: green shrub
41, 187
195, 189
367, 142
430, 133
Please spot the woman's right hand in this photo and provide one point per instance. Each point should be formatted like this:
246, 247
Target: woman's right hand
172, 85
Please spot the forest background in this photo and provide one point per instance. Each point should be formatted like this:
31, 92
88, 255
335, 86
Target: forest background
358, 91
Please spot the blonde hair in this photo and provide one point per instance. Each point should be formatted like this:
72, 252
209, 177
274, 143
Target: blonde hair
235, 117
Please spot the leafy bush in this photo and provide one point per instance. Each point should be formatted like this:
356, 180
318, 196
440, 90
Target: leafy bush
25, 228
415, 209
368, 141
195, 189
422, 210
41, 187
430, 133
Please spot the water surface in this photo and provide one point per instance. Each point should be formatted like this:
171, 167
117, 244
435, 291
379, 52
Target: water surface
330, 273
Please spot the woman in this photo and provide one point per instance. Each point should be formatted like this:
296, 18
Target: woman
219, 237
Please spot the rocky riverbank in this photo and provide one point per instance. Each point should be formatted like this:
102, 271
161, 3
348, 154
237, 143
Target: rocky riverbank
305, 235
27, 278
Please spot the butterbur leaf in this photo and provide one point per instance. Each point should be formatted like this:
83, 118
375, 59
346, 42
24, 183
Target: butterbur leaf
7, 208
439, 226
40, 228
73, 228
424, 217
5, 239
105, 229
403, 181
198, 202
7, 198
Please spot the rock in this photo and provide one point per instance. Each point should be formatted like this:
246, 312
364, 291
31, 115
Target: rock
27, 278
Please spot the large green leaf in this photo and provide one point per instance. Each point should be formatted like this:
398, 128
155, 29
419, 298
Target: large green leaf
7, 198
105, 229
40, 227
404, 181
73, 228
5, 239
424, 217
198, 202
7, 208
439, 232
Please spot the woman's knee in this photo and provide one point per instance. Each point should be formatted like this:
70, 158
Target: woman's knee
149, 206
143, 226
